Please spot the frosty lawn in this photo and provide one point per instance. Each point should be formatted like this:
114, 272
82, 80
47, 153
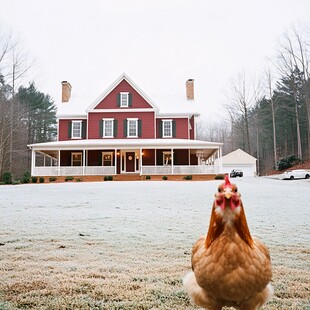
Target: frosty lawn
126, 245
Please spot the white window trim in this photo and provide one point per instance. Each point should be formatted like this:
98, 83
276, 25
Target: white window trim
107, 153
103, 127
163, 129
132, 119
77, 153
127, 99
74, 122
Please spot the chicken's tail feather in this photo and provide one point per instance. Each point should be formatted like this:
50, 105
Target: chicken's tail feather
197, 295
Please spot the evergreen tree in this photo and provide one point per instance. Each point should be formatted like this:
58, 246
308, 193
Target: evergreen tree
291, 116
40, 114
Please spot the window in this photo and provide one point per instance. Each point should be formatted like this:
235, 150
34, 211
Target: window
132, 125
107, 158
107, 130
76, 159
167, 128
167, 158
76, 129
124, 99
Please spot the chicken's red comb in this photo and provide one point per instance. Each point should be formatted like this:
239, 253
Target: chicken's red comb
227, 182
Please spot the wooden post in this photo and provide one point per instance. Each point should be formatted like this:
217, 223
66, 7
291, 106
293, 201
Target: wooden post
33, 161
58, 162
172, 163
115, 161
83, 168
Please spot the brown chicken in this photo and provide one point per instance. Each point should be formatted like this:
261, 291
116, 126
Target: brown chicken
229, 267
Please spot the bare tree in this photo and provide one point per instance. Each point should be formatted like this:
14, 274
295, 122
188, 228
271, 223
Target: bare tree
214, 131
272, 100
13, 66
242, 96
19, 69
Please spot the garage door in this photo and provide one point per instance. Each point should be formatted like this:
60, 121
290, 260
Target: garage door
248, 170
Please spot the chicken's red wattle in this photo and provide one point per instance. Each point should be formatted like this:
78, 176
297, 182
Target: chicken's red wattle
233, 202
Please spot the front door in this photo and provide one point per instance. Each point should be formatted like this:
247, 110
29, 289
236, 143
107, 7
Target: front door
130, 161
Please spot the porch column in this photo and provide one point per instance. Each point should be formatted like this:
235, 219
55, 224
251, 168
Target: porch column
83, 171
33, 161
141, 161
115, 161
220, 160
172, 159
44, 160
58, 162
189, 157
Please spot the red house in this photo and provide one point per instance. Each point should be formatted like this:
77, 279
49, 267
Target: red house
124, 132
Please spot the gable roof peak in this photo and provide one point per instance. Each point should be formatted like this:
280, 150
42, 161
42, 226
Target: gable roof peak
122, 77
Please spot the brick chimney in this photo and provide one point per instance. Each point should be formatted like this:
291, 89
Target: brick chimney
66, 91
190, 89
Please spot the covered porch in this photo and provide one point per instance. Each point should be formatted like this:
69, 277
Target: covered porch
137, 156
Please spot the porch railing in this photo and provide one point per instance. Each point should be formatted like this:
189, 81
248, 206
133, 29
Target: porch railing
68, 171
99, 170
158, 170
110, 170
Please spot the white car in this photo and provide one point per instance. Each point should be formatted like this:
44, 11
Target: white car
296, 174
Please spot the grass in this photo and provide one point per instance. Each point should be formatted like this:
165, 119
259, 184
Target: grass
61, 274
84, 254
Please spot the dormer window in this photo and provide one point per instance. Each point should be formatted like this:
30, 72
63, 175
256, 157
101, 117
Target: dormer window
124, 100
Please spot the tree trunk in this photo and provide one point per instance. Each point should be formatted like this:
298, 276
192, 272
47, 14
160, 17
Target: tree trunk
299, 148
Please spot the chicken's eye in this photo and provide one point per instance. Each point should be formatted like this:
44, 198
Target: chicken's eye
236, 190
219, 189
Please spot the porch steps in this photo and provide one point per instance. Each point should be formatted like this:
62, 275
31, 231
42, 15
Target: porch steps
131, 177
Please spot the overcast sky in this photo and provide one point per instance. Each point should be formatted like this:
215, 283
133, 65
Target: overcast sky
159, 44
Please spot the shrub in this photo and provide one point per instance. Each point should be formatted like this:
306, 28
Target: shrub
16, 182
7, 178
41, 180
219, 177
288, 162
69, 179
108, 178
148, 177
26, 177
34, 179
165, 177
52, 179
78, 179
188, 177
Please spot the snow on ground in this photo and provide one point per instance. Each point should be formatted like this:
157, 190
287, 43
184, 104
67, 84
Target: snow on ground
276, 210
135, 226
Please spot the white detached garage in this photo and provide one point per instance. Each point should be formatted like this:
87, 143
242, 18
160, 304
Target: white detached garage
240, 160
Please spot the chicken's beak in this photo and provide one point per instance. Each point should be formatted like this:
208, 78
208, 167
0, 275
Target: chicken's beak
227, 193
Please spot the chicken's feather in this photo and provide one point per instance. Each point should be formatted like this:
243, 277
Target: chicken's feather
230, 268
